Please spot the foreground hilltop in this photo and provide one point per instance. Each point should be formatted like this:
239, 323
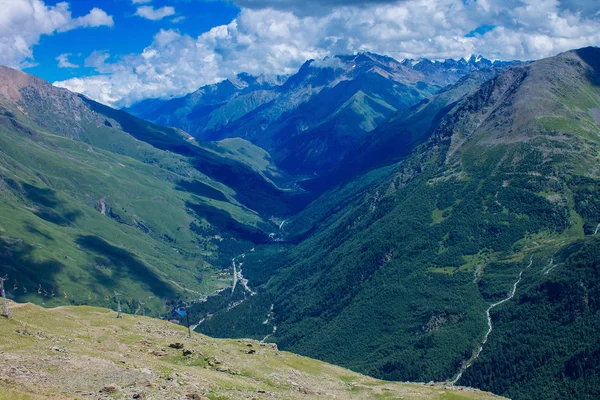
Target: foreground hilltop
85, 352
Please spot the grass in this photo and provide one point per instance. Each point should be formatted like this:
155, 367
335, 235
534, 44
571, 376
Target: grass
257, 158
440, 216
6, 394
82, 349
58, 246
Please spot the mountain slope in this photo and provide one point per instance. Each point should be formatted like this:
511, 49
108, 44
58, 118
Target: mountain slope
319, 114
73, 352
397, 282
396, 137
232, 98
96, 202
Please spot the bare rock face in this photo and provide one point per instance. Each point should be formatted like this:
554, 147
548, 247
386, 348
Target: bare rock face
13, 80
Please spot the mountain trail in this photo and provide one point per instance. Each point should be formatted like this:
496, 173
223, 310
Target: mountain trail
183, 288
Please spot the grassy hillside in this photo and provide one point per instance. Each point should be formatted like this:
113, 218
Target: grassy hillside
78, 352
396, 281
255, 157
96, 204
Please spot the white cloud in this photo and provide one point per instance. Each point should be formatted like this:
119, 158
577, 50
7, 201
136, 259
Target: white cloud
23, 22
307, 7
63, 61
278, 41
97, 59
141, 1
585, 7
155, 14
94, 19
314, 7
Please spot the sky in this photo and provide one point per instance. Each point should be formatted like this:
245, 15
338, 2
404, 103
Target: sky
120, 52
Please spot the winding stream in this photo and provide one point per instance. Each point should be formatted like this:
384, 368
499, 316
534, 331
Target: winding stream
235, 276
474, 357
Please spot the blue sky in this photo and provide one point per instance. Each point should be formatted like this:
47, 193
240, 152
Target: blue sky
130, 33
120, 52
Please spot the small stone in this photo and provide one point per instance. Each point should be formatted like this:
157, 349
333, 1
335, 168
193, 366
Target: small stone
177, 346
110, 388
212, 361
172, 377
187, 353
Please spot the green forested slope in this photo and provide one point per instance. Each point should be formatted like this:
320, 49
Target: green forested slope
397, 284
546, 343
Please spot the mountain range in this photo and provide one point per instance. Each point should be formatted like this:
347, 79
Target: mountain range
311, 120
412, 221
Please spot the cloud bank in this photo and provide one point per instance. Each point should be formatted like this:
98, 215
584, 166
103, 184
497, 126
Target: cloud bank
23, 22
272, 37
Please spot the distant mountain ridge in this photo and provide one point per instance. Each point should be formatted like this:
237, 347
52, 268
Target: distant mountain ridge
312, 119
